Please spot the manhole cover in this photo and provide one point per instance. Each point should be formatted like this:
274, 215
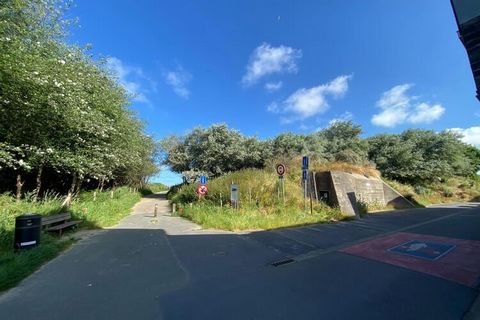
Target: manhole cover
423, 249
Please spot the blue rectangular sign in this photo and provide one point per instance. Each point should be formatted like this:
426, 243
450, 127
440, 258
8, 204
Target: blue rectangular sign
304, 175
305, 163
203, 180
423, 249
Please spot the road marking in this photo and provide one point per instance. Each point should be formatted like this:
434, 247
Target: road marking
282, 234
315, 253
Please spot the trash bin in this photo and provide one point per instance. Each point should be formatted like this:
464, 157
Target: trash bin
27, 231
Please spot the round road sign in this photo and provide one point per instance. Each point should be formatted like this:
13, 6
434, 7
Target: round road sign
202, 189
280, 169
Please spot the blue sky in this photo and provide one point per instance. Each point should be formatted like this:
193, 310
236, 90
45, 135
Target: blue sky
266, 67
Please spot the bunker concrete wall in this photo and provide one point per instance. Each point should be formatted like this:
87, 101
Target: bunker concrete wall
395, 199
348, 189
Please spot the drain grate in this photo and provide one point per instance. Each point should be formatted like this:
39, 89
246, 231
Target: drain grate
282, 262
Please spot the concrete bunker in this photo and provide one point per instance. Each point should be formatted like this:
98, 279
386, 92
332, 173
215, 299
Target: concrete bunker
348, 190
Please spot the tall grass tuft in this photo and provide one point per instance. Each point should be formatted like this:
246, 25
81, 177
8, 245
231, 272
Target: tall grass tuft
261, 206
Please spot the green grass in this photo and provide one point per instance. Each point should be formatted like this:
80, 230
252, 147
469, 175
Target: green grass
157, 187
14, 267
254, 185
455, 189
104, 211
252, 218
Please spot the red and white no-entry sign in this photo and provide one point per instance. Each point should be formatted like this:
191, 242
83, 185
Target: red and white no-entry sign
280, 169
202, 189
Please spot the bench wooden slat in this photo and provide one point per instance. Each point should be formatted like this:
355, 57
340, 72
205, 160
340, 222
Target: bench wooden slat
55, 218
63, 225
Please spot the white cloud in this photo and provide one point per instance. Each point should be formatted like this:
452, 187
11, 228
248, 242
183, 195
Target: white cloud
130, 78
469, 135
266, 60
425, 113
178, 79
273, 107
397, 107
273, 86
346, 116
305, 103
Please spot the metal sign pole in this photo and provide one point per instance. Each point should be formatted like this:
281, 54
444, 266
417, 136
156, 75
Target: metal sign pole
305, 195
278, 187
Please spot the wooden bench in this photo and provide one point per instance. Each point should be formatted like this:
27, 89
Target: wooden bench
58, 222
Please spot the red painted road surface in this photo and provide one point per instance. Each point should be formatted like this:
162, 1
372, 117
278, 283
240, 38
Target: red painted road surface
461, 265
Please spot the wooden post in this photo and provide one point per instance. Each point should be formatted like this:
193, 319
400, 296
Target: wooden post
94, 195
173, 208
221, 200
111, 194
155, 210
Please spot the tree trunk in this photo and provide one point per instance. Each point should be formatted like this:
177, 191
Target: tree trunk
19, 187
102, 182
39, 182
68, 199
78, 185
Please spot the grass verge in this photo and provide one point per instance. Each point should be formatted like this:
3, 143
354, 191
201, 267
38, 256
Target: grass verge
253, 218
97, 210
261, 207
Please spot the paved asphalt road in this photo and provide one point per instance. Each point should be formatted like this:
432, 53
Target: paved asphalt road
167, 269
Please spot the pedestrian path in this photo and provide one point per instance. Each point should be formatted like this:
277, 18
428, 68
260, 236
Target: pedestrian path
143, 217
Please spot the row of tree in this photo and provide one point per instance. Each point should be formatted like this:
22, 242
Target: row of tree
64, 118
414, 156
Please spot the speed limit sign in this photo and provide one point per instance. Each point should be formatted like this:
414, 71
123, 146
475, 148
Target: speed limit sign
202, 189
280, 169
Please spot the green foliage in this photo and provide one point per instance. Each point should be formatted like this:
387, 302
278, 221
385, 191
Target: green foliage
156, 187
450, 190
59, 108
344, 143
104, 211
415, 156
257, 187
250, 218
14, 267
213, 151
422, 156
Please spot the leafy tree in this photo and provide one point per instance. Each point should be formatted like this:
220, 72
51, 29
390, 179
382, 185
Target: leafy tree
344, 143
422, 156
213, 151
61, 109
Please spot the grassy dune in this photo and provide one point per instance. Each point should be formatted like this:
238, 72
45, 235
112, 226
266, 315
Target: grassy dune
261, 187
260, 204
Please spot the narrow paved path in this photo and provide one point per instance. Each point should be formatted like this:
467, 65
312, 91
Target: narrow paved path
168, 268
